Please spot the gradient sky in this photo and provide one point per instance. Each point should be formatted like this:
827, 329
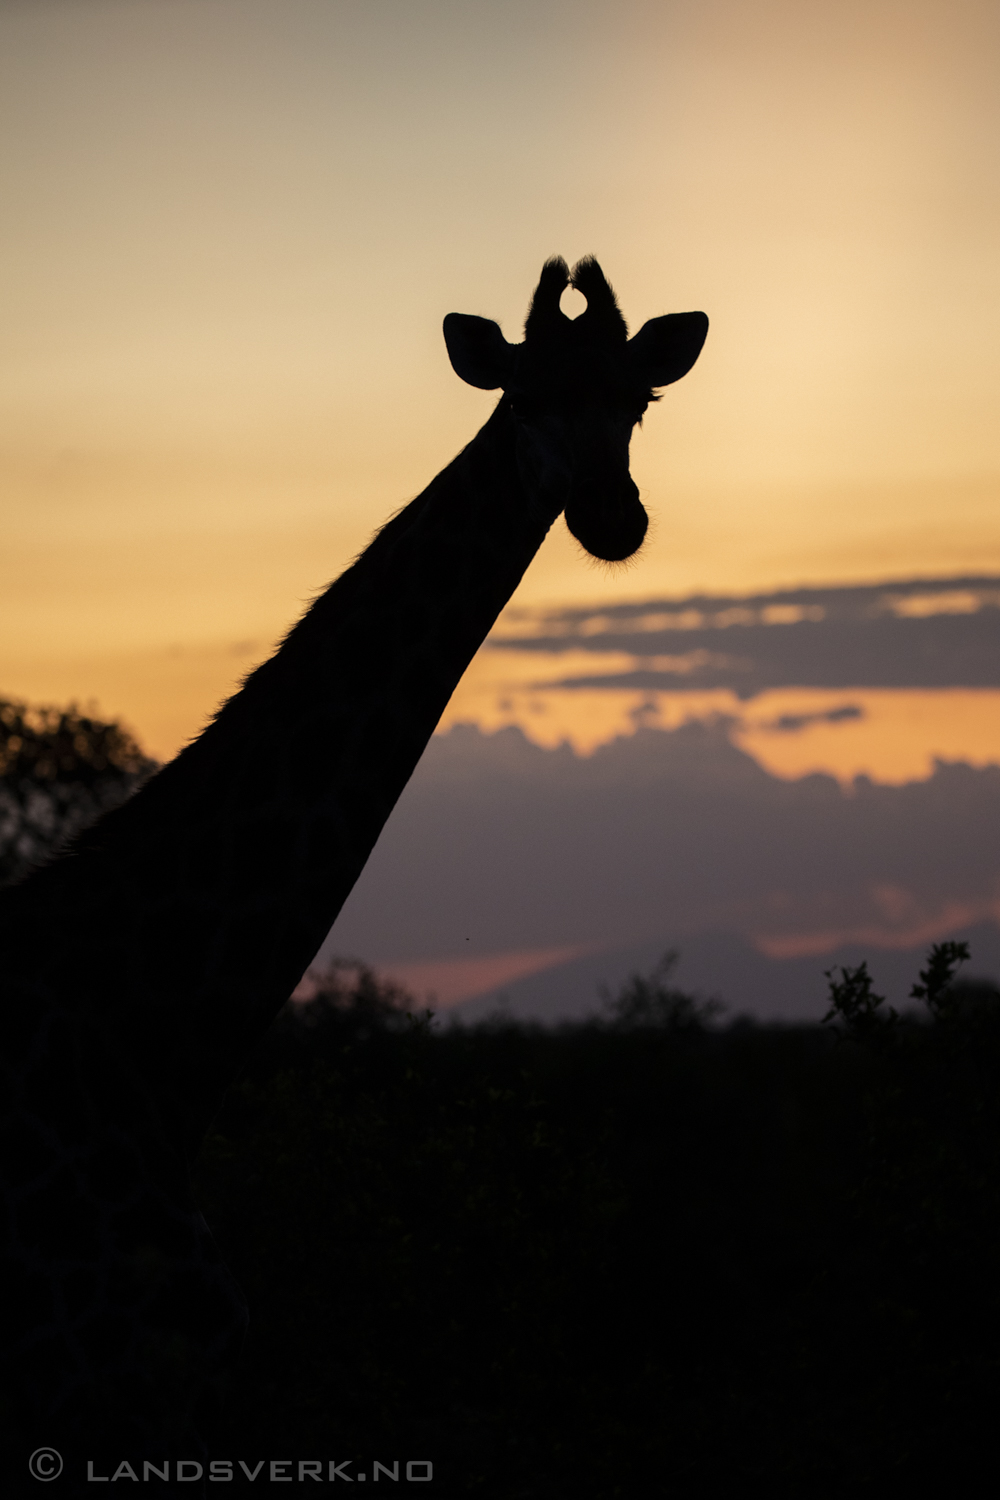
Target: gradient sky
231, 228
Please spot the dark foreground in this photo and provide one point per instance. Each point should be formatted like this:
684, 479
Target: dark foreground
651, 1257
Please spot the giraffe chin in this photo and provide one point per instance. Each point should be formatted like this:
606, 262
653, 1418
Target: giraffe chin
611, 533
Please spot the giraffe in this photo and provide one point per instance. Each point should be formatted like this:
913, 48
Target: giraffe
140, 968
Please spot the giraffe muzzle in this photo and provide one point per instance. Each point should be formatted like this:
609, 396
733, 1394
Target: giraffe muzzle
609, 521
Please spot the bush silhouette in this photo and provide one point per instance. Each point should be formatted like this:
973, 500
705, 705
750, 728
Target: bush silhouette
652, 1250
652, 1001
59, 770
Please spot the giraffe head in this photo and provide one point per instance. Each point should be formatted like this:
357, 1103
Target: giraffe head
576, 387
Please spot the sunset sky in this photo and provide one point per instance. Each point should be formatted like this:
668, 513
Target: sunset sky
231, 229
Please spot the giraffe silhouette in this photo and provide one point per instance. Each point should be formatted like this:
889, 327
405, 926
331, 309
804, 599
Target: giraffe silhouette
140, 968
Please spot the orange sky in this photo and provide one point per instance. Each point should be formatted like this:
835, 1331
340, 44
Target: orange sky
230, 230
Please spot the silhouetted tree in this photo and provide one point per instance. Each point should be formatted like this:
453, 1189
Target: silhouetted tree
650, 1000
59, 770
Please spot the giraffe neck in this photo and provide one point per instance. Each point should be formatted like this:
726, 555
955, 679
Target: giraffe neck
185, 918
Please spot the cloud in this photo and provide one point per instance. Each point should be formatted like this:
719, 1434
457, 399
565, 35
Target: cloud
914, 634
508, 866
791, 723
499, 846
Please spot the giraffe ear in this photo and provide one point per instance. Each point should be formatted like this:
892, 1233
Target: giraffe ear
478, 351
664, 349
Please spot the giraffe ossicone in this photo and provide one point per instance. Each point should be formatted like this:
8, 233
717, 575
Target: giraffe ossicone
139, 969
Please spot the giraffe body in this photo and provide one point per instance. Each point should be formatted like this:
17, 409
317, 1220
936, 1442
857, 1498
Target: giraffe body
139, 969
